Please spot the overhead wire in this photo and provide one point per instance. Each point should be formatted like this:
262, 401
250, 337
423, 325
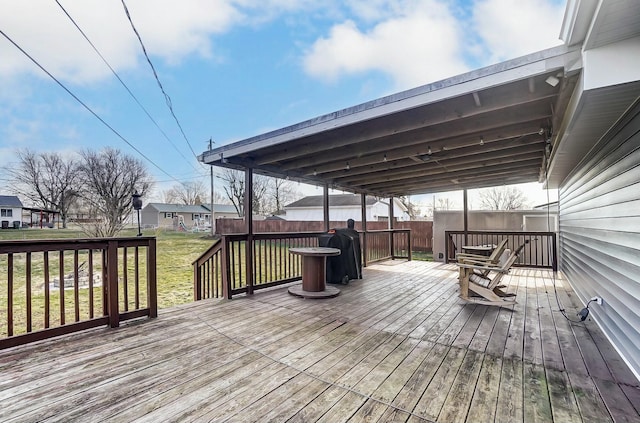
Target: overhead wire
89, 109
155, 74
123, 83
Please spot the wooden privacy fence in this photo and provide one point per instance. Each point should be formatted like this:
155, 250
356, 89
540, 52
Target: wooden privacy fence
56, 287
421, 231
540, 251
229, 267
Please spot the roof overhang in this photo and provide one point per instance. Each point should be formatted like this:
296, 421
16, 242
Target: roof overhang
482, 128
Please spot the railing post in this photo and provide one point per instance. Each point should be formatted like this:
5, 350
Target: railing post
409, 247
249, 263
152, 287
447, 237
112, 284
197, 282
554, 263
226, 266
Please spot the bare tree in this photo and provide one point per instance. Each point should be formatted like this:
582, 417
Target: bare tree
46, 179
412, 209
282, 192
234, 189
110, 179
445, 204
188, 193
502, 198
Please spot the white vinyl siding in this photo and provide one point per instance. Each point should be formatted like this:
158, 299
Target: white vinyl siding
600, 233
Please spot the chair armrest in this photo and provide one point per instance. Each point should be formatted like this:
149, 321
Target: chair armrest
472, 260
489, 267
469, 255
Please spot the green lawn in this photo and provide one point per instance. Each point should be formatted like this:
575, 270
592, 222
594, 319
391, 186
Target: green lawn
175, 251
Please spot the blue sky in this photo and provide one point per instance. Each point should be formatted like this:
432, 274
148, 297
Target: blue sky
234, 68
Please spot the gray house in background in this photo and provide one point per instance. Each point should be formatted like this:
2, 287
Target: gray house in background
10, 211
169, 215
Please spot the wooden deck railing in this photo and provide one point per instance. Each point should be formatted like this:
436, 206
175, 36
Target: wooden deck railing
223, 271
388, 244
56, 287
539, 252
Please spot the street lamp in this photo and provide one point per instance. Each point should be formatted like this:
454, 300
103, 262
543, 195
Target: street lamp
137, 204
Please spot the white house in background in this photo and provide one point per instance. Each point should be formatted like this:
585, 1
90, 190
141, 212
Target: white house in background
10, 211
343, 207
169, 215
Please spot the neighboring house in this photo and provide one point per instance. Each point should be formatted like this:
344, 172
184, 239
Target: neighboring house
168, 215
223, 211
10, 211
343, 207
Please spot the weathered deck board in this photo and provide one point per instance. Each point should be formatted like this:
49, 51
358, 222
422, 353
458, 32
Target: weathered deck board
397, 346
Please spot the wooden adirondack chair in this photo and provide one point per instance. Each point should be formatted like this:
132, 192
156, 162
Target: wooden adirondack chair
478, 259
474, 277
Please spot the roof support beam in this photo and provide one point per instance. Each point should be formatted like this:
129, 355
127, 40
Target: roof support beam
417, 119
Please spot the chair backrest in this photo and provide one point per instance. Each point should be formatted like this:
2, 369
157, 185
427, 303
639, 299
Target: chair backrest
497, 252
513, 256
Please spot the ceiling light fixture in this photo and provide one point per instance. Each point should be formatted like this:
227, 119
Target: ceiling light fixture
552, 80
348, 167
481, 141
429, 151
385, 158
541, 131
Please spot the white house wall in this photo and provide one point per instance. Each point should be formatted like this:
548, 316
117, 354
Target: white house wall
600, 234
335, 214
16, 216
375, 212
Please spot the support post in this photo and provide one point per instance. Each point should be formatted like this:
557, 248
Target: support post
213, 214
363, 205
248, 220
325, 206
391, 240
465, 207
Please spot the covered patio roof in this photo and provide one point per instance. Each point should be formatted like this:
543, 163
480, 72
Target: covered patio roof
528, 119
486, 127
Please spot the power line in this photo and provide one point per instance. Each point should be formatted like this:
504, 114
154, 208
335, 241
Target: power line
155, 74
122, 82
84, 105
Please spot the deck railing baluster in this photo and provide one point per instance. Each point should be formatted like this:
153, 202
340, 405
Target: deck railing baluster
28, 271
61, 286
10, 294
47, 294
76, 286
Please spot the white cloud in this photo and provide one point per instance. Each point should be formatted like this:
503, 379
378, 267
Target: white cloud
170, 30
510, 28
418, 44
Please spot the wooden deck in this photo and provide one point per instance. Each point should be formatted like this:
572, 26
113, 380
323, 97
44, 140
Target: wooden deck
398, 346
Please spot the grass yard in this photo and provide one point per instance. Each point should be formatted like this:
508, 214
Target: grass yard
175, 251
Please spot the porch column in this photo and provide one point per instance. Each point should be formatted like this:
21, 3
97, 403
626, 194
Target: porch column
391, 217
363, 206
248, 220
325, 206
465, 209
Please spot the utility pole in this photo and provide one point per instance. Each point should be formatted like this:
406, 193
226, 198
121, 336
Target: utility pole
213, 215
